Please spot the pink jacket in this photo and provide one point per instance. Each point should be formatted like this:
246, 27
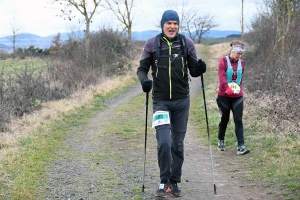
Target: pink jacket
222, 77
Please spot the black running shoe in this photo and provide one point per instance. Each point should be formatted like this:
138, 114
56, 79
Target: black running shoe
221, 145
241, 150
175, 191
162, 190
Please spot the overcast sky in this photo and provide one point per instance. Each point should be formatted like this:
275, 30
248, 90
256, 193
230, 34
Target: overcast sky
39, 17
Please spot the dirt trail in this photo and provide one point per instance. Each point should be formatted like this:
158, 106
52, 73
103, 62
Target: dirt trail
74, 177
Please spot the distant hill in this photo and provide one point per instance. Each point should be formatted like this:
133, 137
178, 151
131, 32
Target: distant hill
144, 35
4, 47
25, 40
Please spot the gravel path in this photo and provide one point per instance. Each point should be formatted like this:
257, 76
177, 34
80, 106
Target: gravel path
74, 176
71, 177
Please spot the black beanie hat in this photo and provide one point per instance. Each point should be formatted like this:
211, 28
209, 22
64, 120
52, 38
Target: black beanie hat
167, 16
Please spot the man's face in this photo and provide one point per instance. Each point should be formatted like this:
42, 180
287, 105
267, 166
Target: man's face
170, 29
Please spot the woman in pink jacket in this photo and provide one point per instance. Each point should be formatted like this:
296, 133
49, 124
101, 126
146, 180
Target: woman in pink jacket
230, 95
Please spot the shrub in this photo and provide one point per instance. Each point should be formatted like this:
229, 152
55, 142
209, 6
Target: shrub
272, 68
67, 71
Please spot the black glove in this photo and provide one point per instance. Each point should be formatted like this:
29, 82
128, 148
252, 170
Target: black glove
200, 66
146, 85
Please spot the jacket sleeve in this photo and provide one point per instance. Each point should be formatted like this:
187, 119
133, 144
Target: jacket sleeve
191, 57
145, 61
222, 74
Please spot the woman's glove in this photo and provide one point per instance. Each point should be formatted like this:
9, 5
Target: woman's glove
200, 66
229, 91
146, 85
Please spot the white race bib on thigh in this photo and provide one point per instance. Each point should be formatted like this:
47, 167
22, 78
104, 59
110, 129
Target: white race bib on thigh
160, 118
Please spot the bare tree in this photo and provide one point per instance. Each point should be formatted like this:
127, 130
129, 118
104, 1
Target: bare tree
242, 20
122, 9
15, 29
202, 25
87, 8
285, 14
179, 6
188, 23
191, 21
284, 20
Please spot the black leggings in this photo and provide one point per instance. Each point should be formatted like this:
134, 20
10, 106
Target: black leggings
226, 104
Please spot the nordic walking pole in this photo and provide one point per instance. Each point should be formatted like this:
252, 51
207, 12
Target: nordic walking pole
212, 163
147, 97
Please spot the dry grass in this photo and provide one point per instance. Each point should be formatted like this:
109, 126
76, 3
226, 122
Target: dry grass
23, 127
219, 51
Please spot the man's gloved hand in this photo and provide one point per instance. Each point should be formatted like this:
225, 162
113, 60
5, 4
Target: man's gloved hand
200, 66
146, 85
229, 91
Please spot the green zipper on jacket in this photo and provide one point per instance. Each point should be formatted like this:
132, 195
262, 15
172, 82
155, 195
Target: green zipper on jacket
183, 64
170, 73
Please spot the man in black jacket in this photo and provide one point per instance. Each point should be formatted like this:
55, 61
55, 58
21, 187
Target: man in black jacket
170, 95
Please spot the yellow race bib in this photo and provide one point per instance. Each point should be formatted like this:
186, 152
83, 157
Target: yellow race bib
235, 87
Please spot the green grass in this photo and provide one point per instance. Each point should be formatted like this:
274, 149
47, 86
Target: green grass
18, 65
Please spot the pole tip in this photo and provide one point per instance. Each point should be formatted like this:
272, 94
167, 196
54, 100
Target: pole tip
215, 189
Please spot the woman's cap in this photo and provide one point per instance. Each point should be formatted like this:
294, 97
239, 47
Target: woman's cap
237, 48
